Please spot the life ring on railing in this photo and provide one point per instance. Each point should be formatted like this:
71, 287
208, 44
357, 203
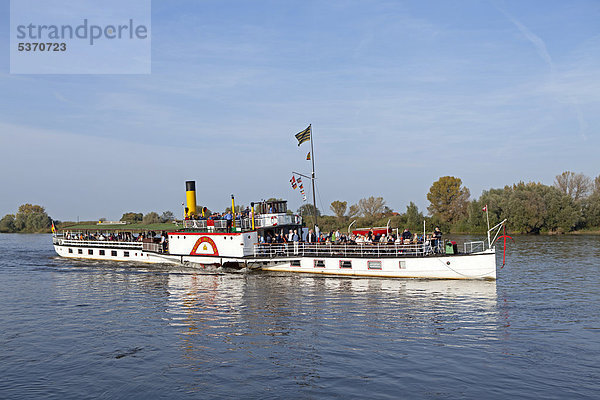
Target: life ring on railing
274, 220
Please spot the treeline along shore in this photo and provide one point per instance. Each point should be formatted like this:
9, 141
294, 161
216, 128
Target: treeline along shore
570, 205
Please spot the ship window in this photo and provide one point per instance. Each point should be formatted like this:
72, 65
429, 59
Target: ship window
101, 252
319, 263
79, 251
70, 251
125, 254
91, 252
402, 264
295, 263
345, 264
113, 253
374, 264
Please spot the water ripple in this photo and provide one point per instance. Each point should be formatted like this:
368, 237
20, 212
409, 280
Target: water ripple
74, 329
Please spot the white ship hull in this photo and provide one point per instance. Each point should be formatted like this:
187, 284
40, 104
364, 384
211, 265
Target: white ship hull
107, 253
239, 250
469, 266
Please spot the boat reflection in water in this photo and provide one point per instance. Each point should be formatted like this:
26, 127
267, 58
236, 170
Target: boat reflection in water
296, 321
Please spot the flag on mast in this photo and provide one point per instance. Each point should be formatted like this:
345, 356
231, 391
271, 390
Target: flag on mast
308, 156
303, 136
484, 209
53, 227
293, 182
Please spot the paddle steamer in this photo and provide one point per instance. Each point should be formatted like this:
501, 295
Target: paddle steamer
240, 243
207, 242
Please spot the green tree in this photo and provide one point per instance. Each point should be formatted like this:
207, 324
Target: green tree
151, 218
448, 199
7, 223
339, 208
534, 207
596, 185
32, 218
414, 218
132, 217
591, 210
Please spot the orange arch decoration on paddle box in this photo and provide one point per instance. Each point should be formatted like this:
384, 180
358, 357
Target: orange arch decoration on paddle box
205, 246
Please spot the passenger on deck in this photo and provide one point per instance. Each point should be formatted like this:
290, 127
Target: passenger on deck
311, 237
280, 238
406, 236
436, 237
229, 219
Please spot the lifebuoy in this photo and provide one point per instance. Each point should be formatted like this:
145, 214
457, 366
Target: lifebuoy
274, 220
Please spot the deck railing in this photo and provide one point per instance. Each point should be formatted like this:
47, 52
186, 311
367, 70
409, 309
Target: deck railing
301, 249
474, 247
97, 243
341, 250
260, 221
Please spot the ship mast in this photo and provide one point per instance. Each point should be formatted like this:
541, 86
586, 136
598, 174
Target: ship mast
301, 136
312, 154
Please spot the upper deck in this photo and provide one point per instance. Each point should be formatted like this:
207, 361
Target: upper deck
244, 224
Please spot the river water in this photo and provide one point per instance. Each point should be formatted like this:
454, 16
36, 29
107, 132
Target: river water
78, 330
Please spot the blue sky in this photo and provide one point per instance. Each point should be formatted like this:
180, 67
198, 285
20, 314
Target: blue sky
398, 93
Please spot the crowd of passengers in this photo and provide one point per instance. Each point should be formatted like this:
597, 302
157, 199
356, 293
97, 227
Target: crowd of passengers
150, 236
226, 215
117, 236
217, 216
336, 237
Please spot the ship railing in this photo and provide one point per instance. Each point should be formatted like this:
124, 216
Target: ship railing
302, 249
153, 247
97, 243
268, 220
216, 224
474, 247
205, 224
260, 221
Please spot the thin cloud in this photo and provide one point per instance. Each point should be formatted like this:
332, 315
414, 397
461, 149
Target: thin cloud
542, 51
